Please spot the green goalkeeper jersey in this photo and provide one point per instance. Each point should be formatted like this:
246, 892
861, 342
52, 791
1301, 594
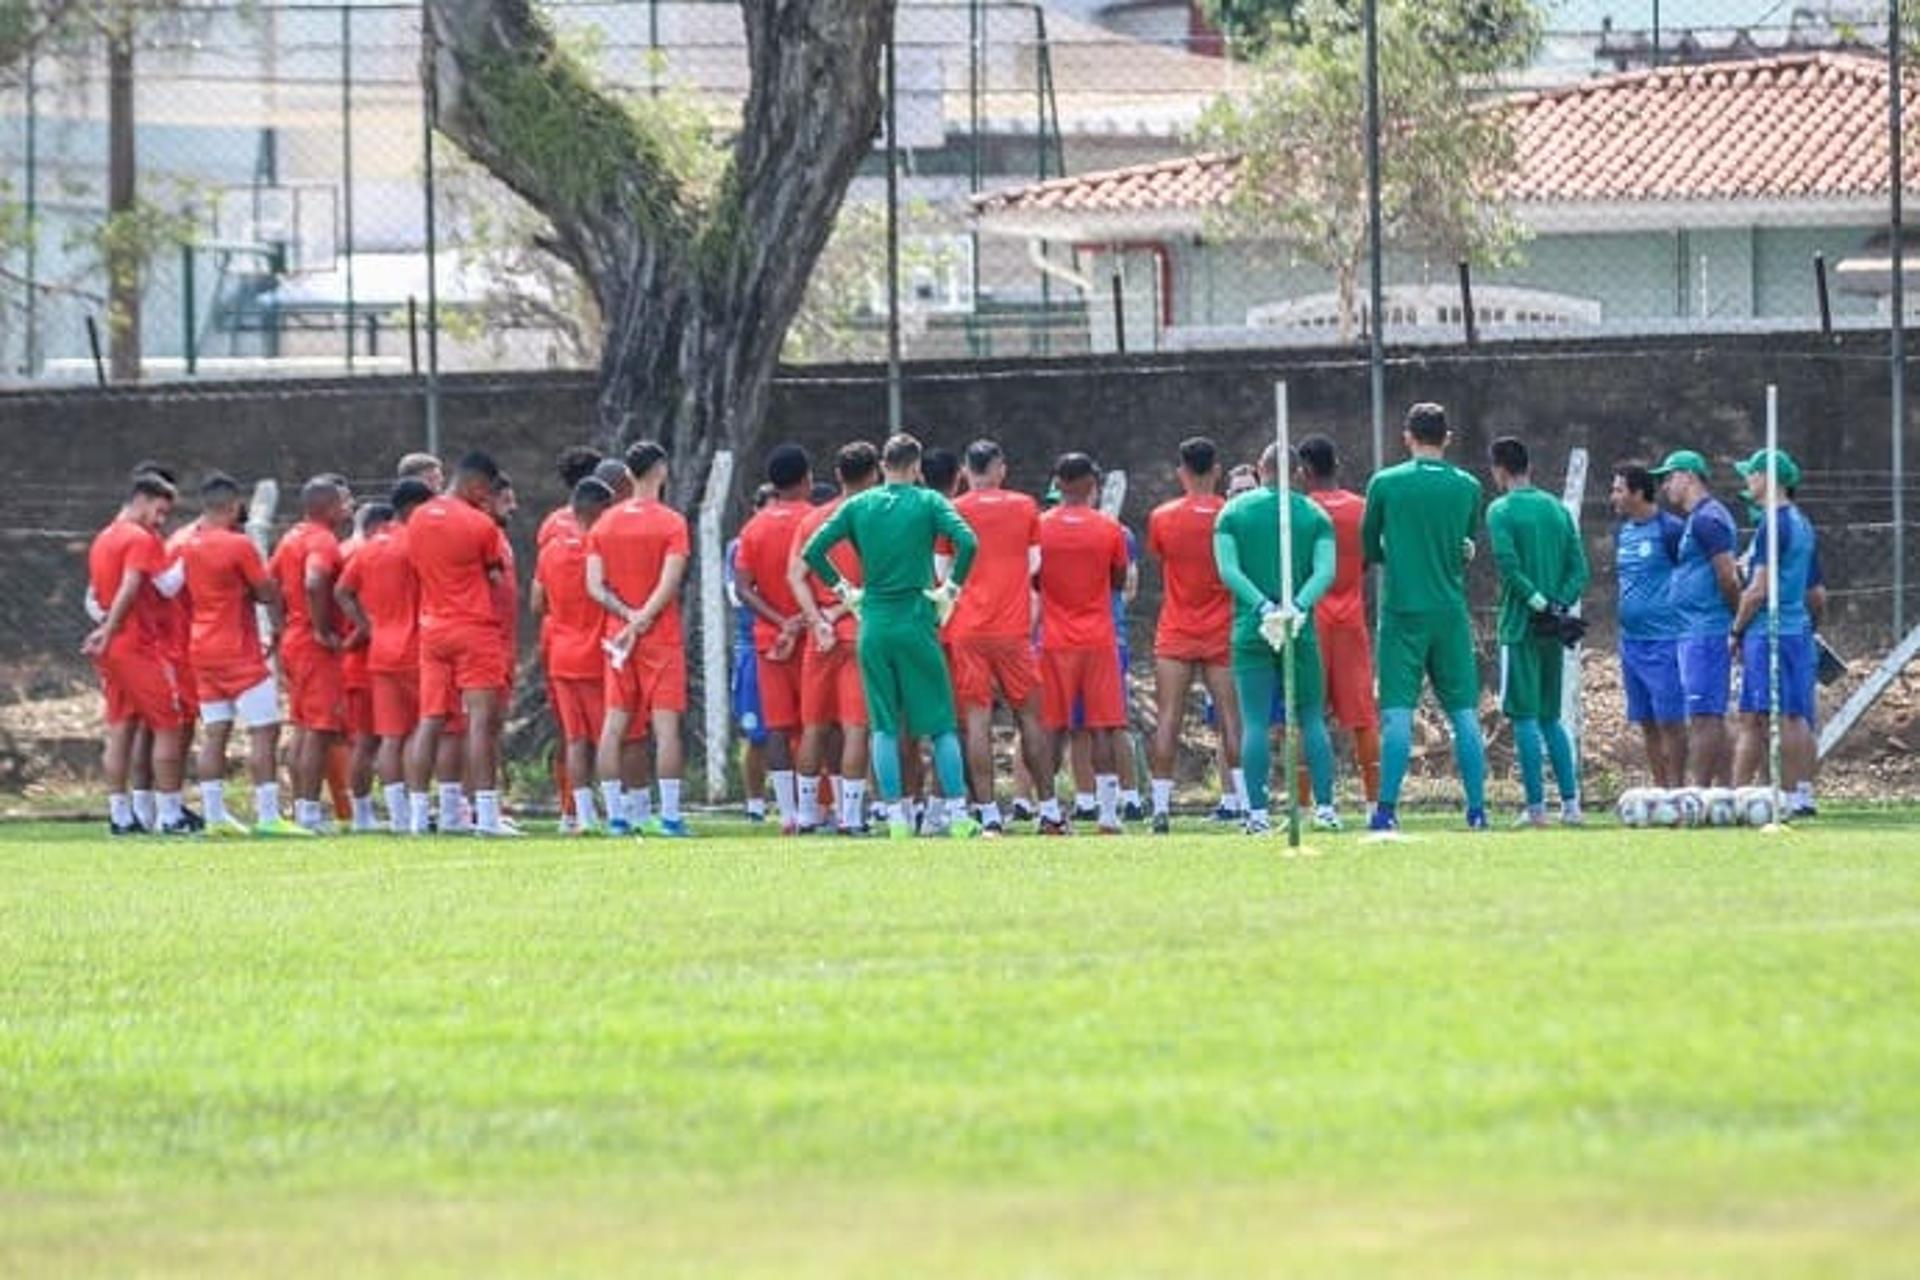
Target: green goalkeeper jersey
1419, 515
1246, 542
1539, 553
893, 529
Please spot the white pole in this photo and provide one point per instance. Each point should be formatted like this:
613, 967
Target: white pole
714, 630
1572, 709
1773, 595
260, 511
1283, 453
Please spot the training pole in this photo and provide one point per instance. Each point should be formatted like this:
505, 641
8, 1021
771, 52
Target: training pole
1283, 453
1773, 595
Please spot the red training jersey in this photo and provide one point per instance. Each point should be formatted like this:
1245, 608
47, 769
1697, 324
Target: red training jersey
124, 545
306, 545
765, 550
454, 549
506, 602
353, 662
1082, 552
381, 576
558, 522
223, 570
845, 561
1344, 605
997, 601
633, 541
1195, 606
177, 614
574, 621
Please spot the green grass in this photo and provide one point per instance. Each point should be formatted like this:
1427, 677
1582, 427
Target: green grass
1588, 1053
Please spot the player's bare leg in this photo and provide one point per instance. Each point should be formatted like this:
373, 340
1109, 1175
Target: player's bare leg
1799, 760
1080, 765
1227, 724
1171, 680
482, 762
979, 729
140, 776
753, 771
1105, 749
116, 756
1709, 751
669, 763
169, 767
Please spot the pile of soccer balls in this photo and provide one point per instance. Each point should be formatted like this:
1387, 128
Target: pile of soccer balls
1698, 807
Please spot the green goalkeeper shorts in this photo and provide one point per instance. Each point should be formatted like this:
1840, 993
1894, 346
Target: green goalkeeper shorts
1530, 672
902, 669
1309, 677
1427, 646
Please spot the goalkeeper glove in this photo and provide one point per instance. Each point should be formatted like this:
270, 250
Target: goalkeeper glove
1279, 624
851, 596
1554, 622
944, 597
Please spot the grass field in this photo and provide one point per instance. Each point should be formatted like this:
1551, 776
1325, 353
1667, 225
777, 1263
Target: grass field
1582, 1053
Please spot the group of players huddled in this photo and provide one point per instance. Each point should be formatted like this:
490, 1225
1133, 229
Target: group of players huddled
899, 604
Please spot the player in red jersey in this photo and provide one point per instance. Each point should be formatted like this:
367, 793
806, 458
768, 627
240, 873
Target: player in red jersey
380, 594
761, 562
423, 467
1340, 619
571, 624
1193, 636
991, 631
304, 566
636, 562
356, 685
506, 611
228, 582
831, 696
576, 463
126, 565
1083, 561
457, 553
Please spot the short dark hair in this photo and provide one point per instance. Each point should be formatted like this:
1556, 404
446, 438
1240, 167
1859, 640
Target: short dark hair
982, 454
824, 491
856, 461
611, 472
151, 484
1638, 479
575, 463
1427, 423
375, 514
590, 492
219, 487
408, 494
940, 468
317, 492
644, 455
479, 463
1074, 466
1509, 453
1318, 456
899, 452
1199, 455
148, 467
787, 466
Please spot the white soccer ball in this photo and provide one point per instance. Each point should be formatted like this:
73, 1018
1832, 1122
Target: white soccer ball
1722, 810
1663, 809
1632, 807
1755, 805
1692, 806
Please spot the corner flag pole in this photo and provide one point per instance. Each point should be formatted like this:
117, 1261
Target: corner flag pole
1283, 453
1773, 595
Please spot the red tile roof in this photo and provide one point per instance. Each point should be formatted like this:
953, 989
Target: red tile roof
1795, 126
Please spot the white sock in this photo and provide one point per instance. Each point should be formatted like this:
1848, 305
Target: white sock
785, 797
266, 802
670, 799
451, 819
1803, 794
956, 808
1239, 789
1257, 815
1082, 801
809, 800
1162, 796
120, 809
853, 802
990, 814
307, 813
1107, 788
583, 808
396, 793
756, 808
171, 809
363, 819
419, 811
837, 789
213, 798
486, 808
616, 804
639, 806
145, 810
1050, 809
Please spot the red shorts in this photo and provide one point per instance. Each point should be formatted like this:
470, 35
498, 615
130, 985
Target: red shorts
141, 687
316, 699
228, 681
359, 712
1175, 645
396, 702
983, 663
780, 689
581, 708
1090, 677
653, 678
1346, 656
830, 688
454, 660
189, 686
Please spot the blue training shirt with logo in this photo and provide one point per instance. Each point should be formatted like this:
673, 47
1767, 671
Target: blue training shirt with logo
1798, 567
1694, 591
1644, 552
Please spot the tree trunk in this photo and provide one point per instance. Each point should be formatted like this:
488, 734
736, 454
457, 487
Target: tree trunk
124, 267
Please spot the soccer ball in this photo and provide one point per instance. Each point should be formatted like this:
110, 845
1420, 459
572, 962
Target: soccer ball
1722, 811
1633, 807
1692, 806
1755, 805
1664, 809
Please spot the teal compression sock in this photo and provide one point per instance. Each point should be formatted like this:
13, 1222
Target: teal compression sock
1470, 756
1319, 749
950, 765
1560, 751
1255, 687
1396, 748
886, 765
1527, 746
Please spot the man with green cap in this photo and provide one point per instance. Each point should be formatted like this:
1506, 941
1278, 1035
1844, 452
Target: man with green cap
1798, 568
1702, 593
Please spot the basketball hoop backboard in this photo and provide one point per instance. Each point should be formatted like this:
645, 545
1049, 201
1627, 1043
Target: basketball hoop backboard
296, 219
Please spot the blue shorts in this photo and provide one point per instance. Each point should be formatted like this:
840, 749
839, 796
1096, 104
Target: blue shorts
745, 690
1650, 671
1797, 674
1706, 671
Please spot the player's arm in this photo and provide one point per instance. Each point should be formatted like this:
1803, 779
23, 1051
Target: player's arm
824, 540
171, 580
318, 585
1129, 582
602, 594
1226, 558
101, 636
1506, 556
1753, 599
1326, 564
1371, 550
349, 601
965, 543
1816, 591
673, 572
749, 588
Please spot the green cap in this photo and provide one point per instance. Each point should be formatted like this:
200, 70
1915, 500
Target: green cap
1684, 460
1052, 496
1782, 462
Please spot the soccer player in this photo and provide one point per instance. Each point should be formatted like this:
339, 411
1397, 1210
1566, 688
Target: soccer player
832, 698
1193, 638
779, 627
305, 566
1420, 521
506, 612
226, 579
1645, 545
423, 467
1752, 626
636, 562
743, 680
1266, 634
356, 682
1543, 570
457, 553
128, 575
1083, 561
572, 623
380, 593
575, 463
991, 633
1340, 619
1702, 595
903, 673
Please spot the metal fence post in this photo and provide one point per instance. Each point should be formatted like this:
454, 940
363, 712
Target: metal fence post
346, 168
1898, 344
32, 319
429, 109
